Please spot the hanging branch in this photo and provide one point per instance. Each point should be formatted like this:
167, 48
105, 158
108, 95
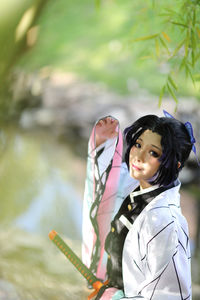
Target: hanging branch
183, 52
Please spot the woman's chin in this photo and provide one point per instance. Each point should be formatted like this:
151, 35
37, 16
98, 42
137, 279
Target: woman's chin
134, 175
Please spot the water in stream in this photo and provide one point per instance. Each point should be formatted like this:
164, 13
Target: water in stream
41, 188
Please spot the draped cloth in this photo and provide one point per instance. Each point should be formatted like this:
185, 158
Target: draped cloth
103, 173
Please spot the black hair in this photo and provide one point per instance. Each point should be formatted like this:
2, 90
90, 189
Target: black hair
175, 142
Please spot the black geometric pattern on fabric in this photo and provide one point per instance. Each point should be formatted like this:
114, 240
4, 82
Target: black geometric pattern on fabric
174, 264
176, 272
99, 190
155, 279
159, 233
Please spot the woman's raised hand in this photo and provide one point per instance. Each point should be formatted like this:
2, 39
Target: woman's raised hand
106, 129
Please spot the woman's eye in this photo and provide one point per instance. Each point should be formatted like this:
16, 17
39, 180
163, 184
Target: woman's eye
137, 145
154, 154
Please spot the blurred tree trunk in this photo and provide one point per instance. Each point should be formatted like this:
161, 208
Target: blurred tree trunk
17, 21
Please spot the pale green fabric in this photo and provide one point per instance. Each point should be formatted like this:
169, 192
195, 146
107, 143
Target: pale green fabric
118, 295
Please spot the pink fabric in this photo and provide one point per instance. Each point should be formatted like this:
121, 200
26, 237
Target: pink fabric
107, 204
89, 236
108, 294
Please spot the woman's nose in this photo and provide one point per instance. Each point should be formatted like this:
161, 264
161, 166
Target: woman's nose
141, 156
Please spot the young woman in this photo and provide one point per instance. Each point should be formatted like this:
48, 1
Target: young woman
136, 236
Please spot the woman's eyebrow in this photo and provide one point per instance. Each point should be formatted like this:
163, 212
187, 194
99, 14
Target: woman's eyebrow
156, 147
151, 144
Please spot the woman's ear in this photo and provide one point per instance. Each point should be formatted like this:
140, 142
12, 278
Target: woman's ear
179, 164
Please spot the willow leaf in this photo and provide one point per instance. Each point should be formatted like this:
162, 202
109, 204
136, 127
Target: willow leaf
157, 46
194, 18
187, 41
193, 40
190, 74
144, 38
172, 82
178, 47
172, 93
164, 44
179, 24
146, 57
161, 96
193, 58
173, 12
183, 64
166, 36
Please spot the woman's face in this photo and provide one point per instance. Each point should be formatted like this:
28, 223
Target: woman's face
144, 157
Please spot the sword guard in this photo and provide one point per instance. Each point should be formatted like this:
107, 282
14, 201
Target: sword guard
97, 285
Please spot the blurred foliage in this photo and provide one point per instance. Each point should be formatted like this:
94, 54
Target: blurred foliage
17, 33
99, 40
178, 43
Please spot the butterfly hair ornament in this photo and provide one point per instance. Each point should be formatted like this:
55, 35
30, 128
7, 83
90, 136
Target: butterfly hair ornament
189, 128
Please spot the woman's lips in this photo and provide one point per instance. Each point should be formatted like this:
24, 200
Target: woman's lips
135, 167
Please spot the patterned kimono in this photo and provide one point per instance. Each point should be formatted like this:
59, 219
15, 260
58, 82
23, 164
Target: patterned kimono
143, 232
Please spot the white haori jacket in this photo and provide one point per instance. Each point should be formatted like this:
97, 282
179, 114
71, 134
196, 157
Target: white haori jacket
156, 254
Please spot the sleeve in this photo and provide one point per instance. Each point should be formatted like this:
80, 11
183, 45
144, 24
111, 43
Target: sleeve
164, 260
103, 172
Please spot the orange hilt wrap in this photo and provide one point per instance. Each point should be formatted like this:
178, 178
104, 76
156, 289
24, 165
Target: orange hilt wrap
78, 264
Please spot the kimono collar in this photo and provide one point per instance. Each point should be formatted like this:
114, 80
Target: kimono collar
150, 193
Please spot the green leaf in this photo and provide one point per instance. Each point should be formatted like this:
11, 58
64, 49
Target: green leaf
161, 96
193, 39
194, 17
173, 12
157, 46
179, 24
190, 73
172, 93
193, 58
166, 36
172, 82
187, 41
182, 65
144, 38
194, 46
178, 47
164, 44
147, 57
